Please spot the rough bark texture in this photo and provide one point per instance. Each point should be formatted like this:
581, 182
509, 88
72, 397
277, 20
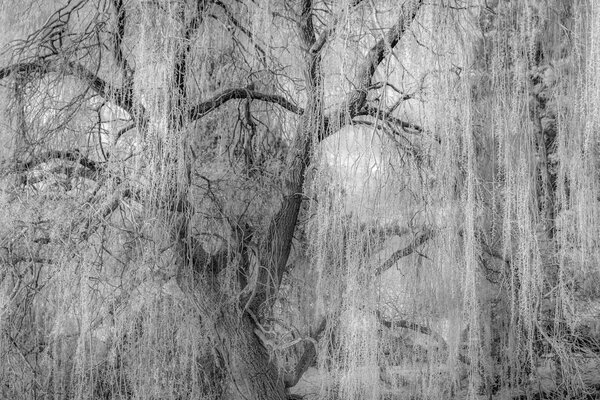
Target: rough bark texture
252, 372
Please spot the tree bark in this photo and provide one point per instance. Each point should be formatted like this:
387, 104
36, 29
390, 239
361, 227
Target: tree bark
252, 371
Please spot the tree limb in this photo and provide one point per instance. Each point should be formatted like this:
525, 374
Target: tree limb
234, 21
118, 36
406, 251
305, 23
93, 223
386, 116
402, 323
327, 33
68, 155
356, 99
308, 357
43, 66
203, 108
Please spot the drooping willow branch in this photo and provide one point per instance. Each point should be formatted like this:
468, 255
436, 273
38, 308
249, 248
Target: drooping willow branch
310, 351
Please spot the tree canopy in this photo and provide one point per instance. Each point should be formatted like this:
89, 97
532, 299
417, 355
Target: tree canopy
247, 199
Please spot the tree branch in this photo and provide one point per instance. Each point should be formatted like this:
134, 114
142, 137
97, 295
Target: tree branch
406, 251
44, 66
386, 116
402, 323
118, 36
307, 358
201, 109
242, 28
68, 155
41, 66
356, 100
181, 63
327, 33
305, 23
93, 223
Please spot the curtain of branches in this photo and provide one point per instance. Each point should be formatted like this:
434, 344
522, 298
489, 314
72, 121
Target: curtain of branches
314, 199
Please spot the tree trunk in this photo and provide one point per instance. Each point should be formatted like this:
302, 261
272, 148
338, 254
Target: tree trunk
253, 374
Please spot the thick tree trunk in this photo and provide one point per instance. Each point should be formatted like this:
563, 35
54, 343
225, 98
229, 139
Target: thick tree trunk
250, 371
253, 374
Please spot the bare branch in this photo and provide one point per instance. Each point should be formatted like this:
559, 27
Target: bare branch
356, 100
50, 36
406, 251
68, 155
201, 109
305, 23
44, 66
242, 29
377, 54
402, 323
307, 358
118, 37
14, 259
327, 33
181, 60
119, 33
385, 116
92, 224
405, 324
124, 130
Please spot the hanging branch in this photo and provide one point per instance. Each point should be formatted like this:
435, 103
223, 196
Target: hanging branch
118, 35
310, 354
181, 61
385, 115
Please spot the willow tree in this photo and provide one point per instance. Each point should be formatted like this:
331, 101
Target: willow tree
203, 198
